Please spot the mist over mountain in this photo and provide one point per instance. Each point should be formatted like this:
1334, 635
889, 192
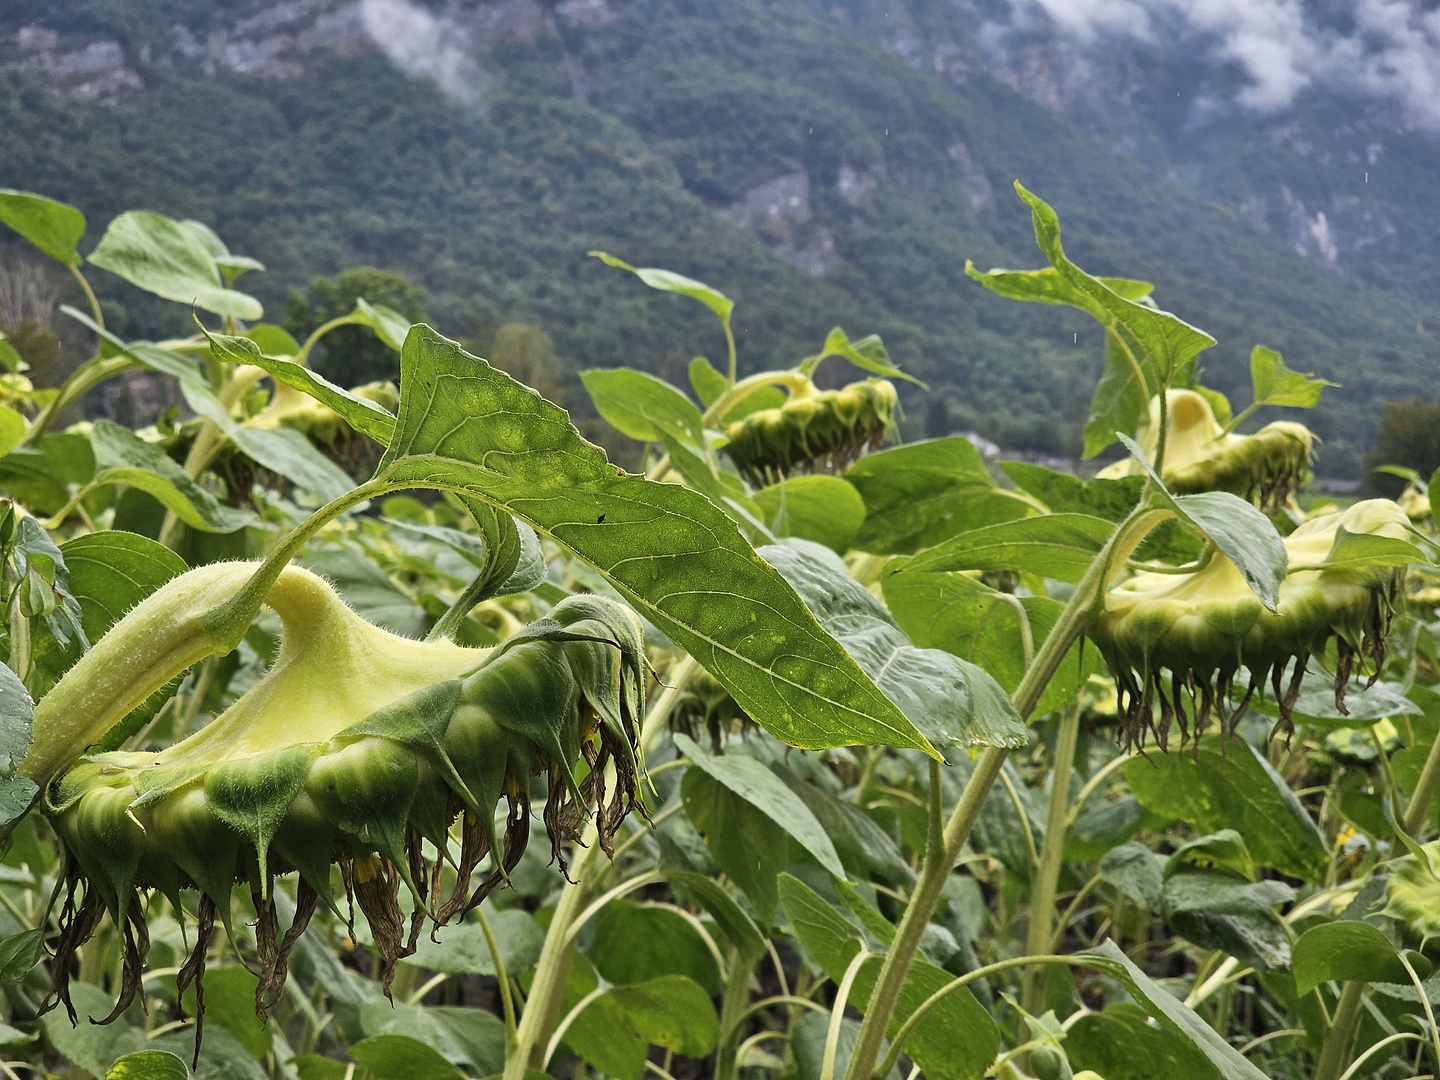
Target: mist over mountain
1270, 166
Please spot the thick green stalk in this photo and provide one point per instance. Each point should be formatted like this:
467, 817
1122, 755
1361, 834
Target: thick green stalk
734, 1007
1052, 852
1335, 1051
1424, 792
551, 970
1084, 601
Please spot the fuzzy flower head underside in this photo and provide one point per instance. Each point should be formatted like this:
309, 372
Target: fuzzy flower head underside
363, 750
1176, 642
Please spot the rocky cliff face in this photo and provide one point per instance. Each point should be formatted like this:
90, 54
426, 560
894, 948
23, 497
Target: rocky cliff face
1309, 127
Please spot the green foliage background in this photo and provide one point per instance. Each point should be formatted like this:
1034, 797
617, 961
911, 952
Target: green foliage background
625, 136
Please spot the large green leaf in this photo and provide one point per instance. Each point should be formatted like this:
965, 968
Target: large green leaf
1122, 1044
1158, 347
16, 714
230, 1004
1173, 1014
1063, 493
636, 942
122, 457
399, 1057
953, 701
669, 281
1364, 704
745, 842
12, 429
93, 1047
20, 953
1349, 951
1228, 785
160, 255
389, 325
1217, 910
825, 509
918, 495
868, 354
669, 551
1136, 871
284, 452
729, 916
461, 948
641, 406
807, 1043
1238, 530
1120, 402
956, 1040
671, 1012
110, 572
53, 227
964, 617
1059, 546
149, 1065
1275, 384
360, 413
765, 791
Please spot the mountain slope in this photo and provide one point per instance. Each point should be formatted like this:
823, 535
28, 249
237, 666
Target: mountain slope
766, 146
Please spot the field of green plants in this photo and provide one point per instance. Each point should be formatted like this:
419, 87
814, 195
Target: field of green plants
394, 732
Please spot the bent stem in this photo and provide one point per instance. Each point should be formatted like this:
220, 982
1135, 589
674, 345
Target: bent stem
1083, 603
734, 1010
1047, 875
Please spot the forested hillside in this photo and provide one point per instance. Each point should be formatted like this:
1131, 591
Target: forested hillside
765, 146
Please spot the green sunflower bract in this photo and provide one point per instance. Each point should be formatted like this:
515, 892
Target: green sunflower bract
1176, 641
814, 429
360, 749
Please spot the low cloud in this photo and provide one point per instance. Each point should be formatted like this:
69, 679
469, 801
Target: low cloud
424, 46
1385, 49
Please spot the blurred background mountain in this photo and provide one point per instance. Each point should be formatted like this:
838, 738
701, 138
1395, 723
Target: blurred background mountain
1270, 164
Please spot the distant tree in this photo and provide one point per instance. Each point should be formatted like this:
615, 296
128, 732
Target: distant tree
352, 355
1409, 436
526, 353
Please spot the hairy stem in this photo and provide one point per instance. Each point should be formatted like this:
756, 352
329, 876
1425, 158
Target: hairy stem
1335, 1051
734, 1008
1047, 875
1425, 789
1083, 604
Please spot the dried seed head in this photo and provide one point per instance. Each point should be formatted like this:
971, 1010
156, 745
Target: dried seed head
813, 430
1266, 468
707, 706
1176, 642
357, 746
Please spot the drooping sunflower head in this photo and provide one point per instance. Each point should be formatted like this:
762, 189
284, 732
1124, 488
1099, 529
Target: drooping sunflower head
360, 750
813, 430
1265, 468
707, 707
1177, 641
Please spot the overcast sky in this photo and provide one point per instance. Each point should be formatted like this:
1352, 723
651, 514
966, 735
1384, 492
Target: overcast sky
1388, 49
